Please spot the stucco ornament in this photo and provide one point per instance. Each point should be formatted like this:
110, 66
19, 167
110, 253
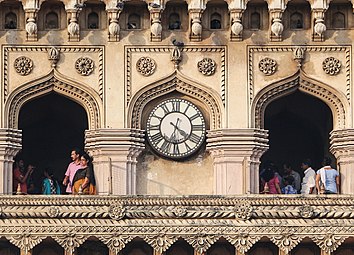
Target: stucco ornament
237, 27
207, 66
306, 211
114, 28
73, 28
196, 27
277, 27
179, 211
320, 27
23, 65
156, 29
268, 66
31, 26
84, 66
116, 211
53, 55
331, 66
146, 66
53, 211
243, 211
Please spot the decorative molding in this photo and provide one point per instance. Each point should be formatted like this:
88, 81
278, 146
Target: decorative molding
286, 242
146, 66
146, 49
207, 66
325, 49
161, 242
116, 242
331, 66
268, 66
84, 66
70, 241
201, 242
62, 49
243, 242
26, 241
328, 242
23, 65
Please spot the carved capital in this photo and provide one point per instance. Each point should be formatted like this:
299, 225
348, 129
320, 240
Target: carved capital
25, 242
70, 241
201, 243
161, 243
116, 242
286, 242
328, 243
243, 242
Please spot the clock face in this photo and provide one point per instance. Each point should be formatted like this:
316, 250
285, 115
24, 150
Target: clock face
175, 128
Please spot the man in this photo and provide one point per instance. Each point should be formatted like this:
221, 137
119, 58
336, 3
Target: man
309, 181
20, 177
290, 172
327, 178
72, 168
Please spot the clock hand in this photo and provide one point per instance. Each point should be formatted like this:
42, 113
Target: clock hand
173, 135
182, 132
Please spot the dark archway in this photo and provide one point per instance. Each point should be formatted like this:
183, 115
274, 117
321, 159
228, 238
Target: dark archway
52, 125
299, 127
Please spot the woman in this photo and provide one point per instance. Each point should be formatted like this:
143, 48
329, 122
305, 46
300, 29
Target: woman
271, 185
84, 179
50, 185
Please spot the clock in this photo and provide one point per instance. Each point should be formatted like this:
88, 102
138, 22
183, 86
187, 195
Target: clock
175, 128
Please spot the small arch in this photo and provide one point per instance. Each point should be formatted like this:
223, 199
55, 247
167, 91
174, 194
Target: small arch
51, 20
296, 20
134, 21
10, 20
174, 21
53, 82
338, 20
92, 21
299, 81
215, 21
255, 20
175, 83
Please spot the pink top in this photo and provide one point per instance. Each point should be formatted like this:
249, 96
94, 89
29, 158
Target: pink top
271, 185
72, 168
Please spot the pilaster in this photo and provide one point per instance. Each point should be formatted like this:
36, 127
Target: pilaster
31, 24
10, 144
342, 147
115, 152
236, 154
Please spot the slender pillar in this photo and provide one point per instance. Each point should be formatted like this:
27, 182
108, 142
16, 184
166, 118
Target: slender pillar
236, 154
342, 147
115, 152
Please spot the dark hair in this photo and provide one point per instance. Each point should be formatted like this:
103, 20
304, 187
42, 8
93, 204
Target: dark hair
268, 174
289, 179
77, 151
327, 161
49, 172
307, 162
288, 165
87, 157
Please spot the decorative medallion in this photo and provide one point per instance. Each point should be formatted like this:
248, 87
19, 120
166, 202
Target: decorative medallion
84, 66
243, 212
331, 66
268, 66
116, 212
179, 211
306, 211
23, 65
207, 66
53, 211
146, 66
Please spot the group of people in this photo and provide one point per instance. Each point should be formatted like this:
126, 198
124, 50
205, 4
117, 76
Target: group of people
79, 177
326, 180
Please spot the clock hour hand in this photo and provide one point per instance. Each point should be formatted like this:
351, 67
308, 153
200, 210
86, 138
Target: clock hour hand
184, 134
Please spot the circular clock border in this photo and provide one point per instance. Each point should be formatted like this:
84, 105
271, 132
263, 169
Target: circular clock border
202, 131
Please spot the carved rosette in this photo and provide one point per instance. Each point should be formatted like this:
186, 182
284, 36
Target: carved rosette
23, 65
116, 242
268, 66
84, 66
116, 212
161, 243
243, 242
53, 211
328, 243
207, 66
286, 242
331, 66
146, 66
179, 211
25, 242
201, 243
306, 211
243, 212
70, 241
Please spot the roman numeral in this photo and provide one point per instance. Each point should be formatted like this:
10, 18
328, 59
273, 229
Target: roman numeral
175, 148
187, 146
194, 138
156, 138
194, 117
166, 146
185, 110
154, 127
157, 117
176, 106
165, 108
198, 127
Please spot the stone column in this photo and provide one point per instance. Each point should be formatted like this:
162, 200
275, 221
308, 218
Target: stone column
236, 154
113, 17
10, 144
115, 152
236, 24
73, 26
277, 26
342, 147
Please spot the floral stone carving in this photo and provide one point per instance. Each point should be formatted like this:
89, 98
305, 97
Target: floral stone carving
306, 211
268, 66
116, 212
207, 66
146, 66
84, 66
243, 212
23, 65
331, 66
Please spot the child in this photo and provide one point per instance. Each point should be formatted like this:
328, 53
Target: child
289, 189
50, 185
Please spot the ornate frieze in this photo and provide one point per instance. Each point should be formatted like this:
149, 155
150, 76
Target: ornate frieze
331, 66
146, 66
23, 65
207, 66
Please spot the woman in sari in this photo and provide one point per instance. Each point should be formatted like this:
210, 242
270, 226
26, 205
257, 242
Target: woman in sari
84, 179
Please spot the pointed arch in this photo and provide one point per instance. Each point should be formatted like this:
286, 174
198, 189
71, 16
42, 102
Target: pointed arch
175, 82
57, 83
335, 100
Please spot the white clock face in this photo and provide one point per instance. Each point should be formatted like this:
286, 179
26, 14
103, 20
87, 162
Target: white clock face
175, 128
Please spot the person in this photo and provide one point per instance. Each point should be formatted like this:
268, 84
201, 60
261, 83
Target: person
84, 179
72, 168
20, 176
50, 185
271, 182
31, 187
328, 177
289, 188
288, 170
309, 181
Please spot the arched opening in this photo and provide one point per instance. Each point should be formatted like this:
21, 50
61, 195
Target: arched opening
52, 125
215, 21
174, 22
299, 127
255, 20
51, 20
92, 21
338, 20
10, 21
296, 21
134, 21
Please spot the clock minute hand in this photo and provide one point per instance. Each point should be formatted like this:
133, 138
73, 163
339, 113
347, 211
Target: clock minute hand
182, 132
